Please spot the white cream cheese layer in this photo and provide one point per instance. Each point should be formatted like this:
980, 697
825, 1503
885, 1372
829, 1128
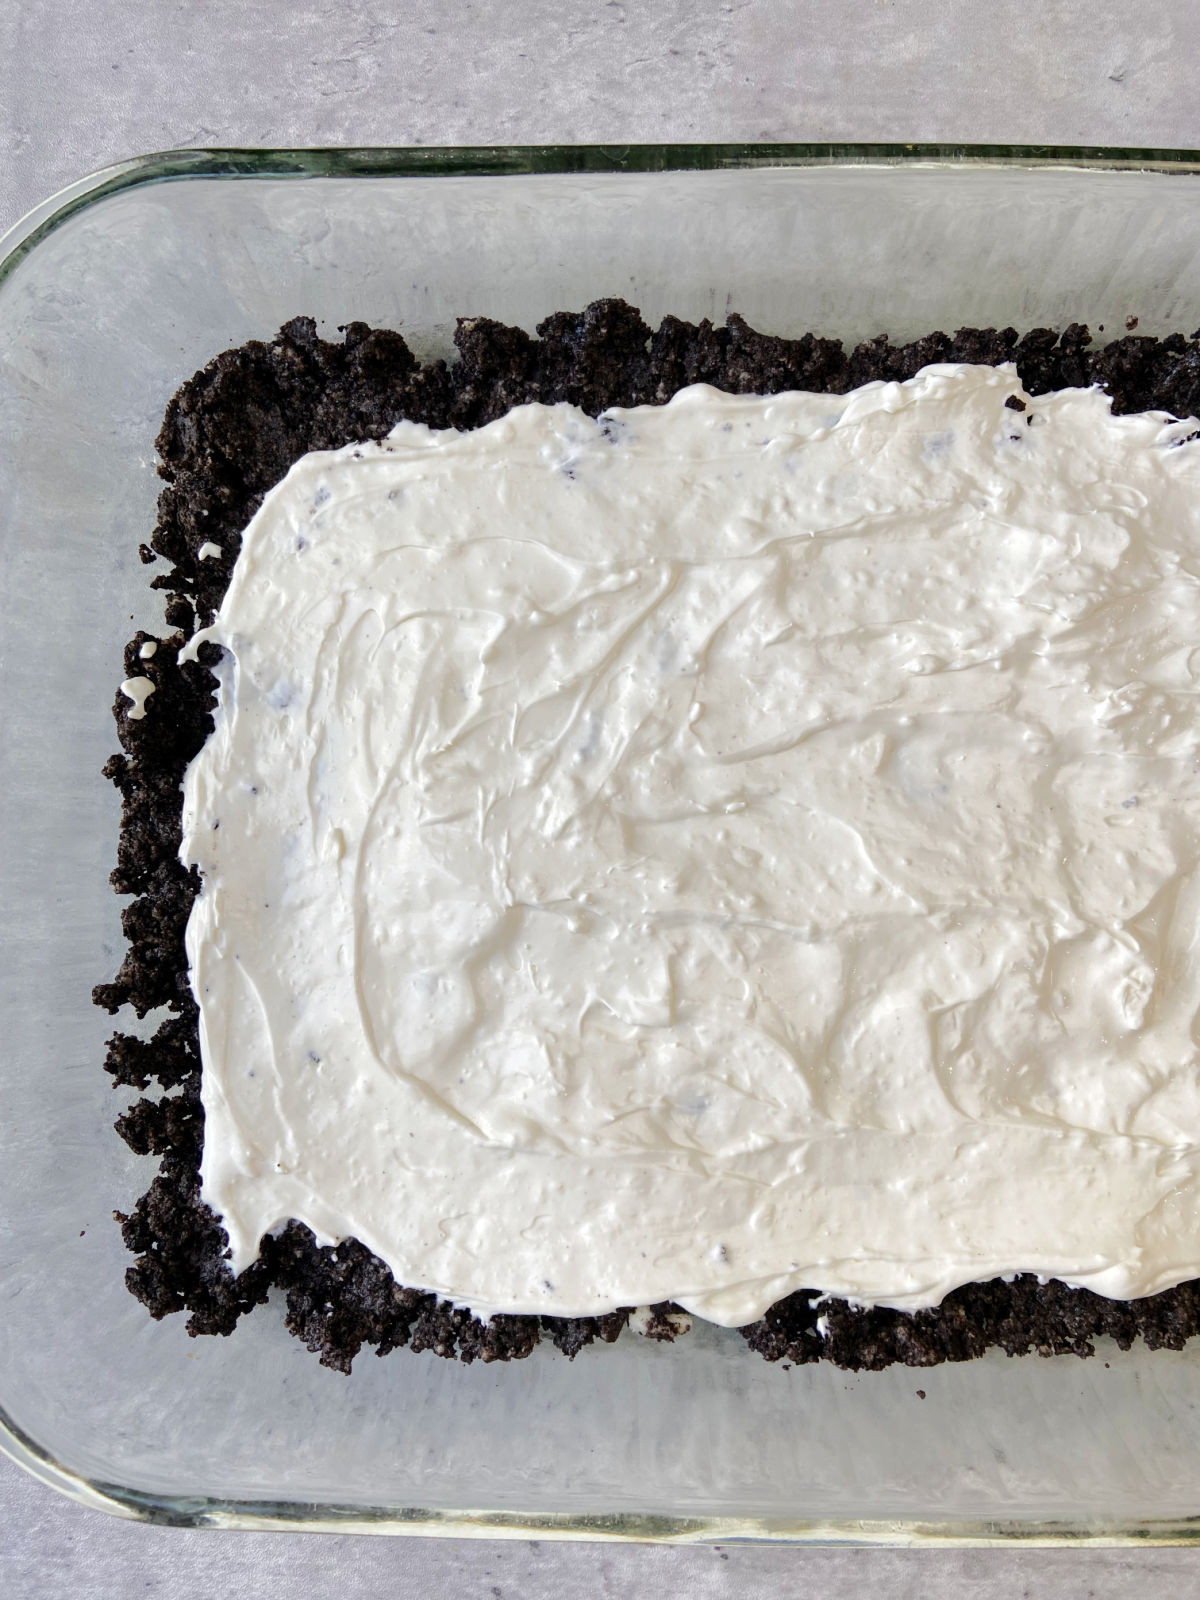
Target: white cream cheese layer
726, 847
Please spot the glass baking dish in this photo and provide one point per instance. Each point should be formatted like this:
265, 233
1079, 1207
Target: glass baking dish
111, 294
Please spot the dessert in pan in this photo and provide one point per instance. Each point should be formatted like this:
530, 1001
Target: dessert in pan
641, 824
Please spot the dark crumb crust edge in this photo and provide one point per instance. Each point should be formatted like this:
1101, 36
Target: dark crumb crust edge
232, 432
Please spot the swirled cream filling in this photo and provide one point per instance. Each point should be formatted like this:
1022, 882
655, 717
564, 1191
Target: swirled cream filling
720, 848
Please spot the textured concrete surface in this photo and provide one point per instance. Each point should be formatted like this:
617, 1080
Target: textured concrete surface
84, 86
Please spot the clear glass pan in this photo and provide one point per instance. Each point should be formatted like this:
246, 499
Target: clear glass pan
110, 295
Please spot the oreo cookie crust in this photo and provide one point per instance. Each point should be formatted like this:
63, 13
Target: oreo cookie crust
230, 434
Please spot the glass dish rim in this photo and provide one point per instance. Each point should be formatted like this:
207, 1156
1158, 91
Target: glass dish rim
497, 161
460, 161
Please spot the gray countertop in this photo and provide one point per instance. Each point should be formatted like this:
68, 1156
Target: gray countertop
76, 94
82, 87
